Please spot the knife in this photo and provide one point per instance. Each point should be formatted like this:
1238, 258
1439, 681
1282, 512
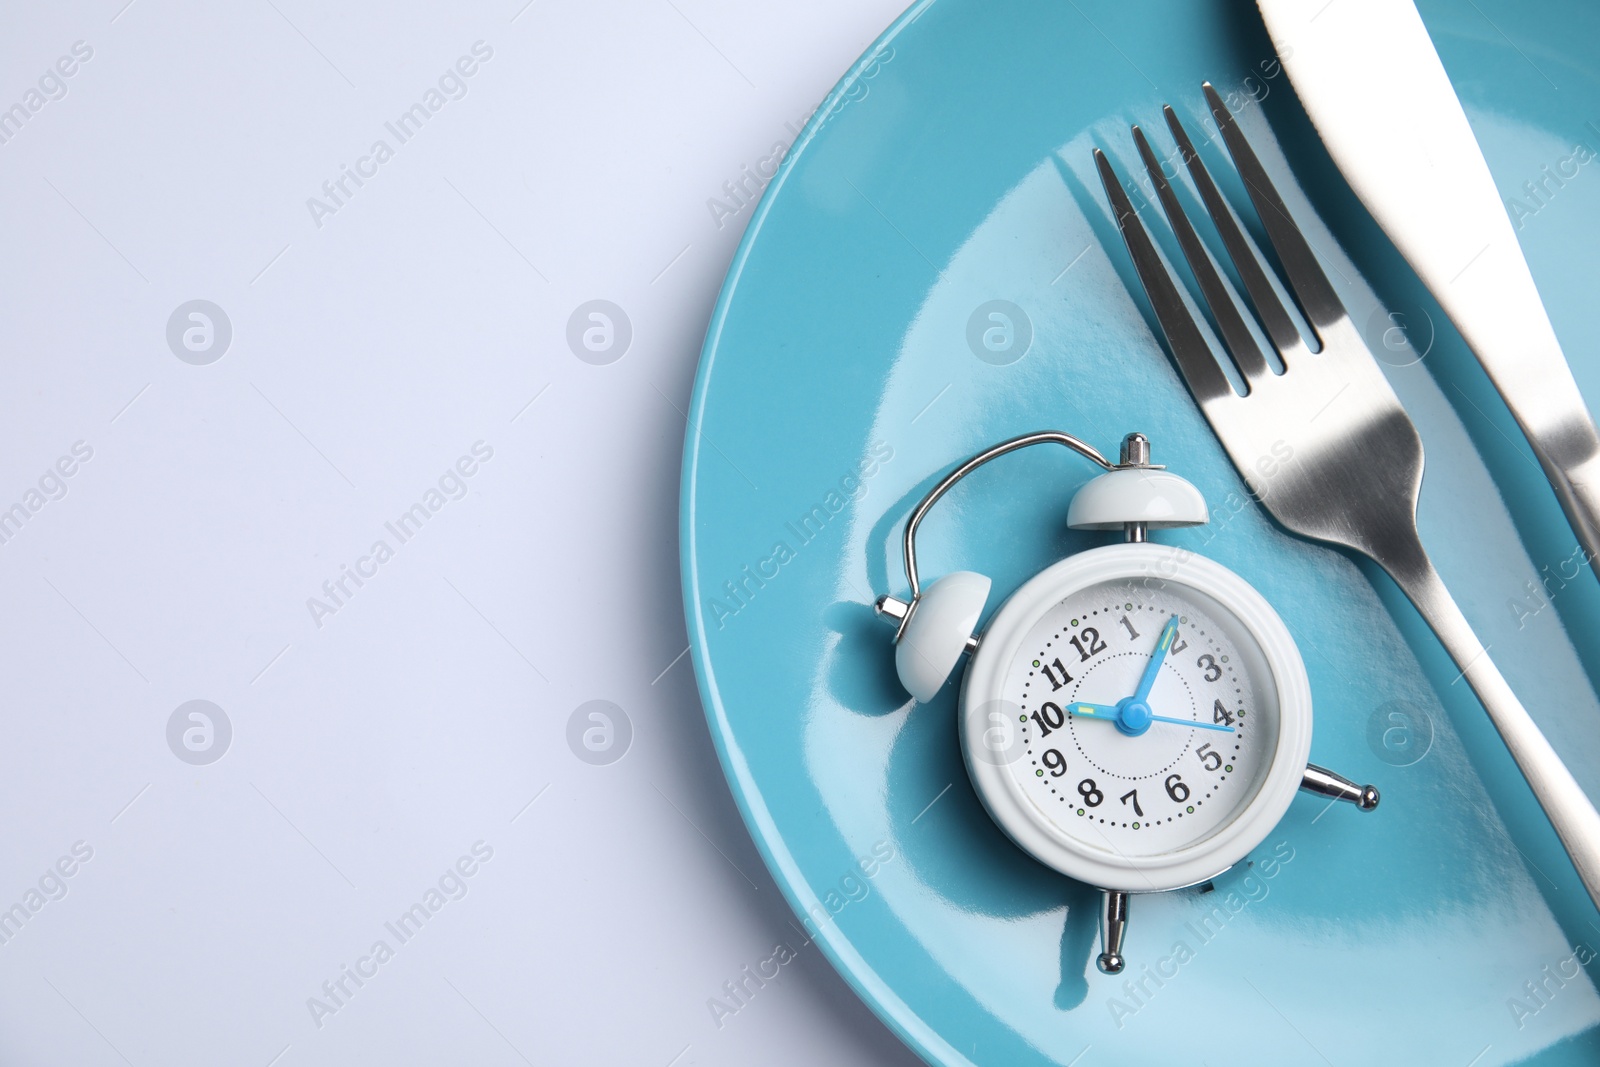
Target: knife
1404, 145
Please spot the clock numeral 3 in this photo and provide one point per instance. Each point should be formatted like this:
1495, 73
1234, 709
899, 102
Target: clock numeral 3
1134, 793
1090, 794
1049, 717
1051, 674
1209, 662
1087, 643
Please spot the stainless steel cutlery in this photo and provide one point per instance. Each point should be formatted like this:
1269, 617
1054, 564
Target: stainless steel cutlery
1356, 468
1406, 148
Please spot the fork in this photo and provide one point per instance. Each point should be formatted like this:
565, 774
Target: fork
1356, 467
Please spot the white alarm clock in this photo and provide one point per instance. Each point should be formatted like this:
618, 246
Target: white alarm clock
1135, 716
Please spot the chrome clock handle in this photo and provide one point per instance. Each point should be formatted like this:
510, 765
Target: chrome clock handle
902, 610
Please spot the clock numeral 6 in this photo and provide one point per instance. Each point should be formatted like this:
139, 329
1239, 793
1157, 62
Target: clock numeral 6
1090, 794
1213, 672
1176, 789
1209, 759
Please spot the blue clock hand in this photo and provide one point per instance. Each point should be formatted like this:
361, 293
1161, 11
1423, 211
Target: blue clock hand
1113, 713
1095, 711
1191, 722
1153, 668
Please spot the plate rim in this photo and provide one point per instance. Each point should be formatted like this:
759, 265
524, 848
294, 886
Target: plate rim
874, 992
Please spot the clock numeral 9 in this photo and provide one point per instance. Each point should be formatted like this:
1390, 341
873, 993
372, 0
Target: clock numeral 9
1049, 717
1090, 794
1176, 789
1213, 672
1054, 761
1209, 759
1088, 643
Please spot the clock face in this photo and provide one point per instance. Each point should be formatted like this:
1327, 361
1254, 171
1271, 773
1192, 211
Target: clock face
1141, 788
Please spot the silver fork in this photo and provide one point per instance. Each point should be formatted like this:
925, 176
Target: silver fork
1356, 467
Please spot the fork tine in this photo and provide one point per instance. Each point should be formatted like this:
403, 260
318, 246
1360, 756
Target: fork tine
1236, 336
1303, 273
1285, 335
1189, 348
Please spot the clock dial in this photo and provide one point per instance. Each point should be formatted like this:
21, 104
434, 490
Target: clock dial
1095, 757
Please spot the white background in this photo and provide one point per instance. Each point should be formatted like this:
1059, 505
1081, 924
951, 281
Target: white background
372, 347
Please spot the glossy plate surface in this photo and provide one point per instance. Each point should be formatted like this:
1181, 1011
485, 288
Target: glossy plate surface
854, 357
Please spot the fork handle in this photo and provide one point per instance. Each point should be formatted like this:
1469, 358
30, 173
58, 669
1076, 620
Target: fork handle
1565, 804
1577, 486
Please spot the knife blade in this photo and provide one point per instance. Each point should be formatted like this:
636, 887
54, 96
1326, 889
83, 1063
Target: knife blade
1404, 145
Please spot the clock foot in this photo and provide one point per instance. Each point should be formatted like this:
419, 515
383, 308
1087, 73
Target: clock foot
1113, 925
1324, 782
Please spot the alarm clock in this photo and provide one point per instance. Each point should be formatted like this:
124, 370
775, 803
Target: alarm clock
1135, 716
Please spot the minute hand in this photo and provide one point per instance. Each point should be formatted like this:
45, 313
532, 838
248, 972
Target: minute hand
1153, 668
1110, 714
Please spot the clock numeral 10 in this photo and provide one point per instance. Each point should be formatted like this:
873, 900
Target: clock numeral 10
1051, 674
1049, 717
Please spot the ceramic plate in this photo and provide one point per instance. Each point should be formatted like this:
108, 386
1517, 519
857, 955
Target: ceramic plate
949, 179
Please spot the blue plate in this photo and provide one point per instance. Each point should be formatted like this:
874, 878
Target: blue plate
847, 367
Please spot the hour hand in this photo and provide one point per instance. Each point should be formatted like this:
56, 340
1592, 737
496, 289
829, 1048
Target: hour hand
1094, 711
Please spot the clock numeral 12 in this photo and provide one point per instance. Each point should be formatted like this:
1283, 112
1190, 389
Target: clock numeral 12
1087, 643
